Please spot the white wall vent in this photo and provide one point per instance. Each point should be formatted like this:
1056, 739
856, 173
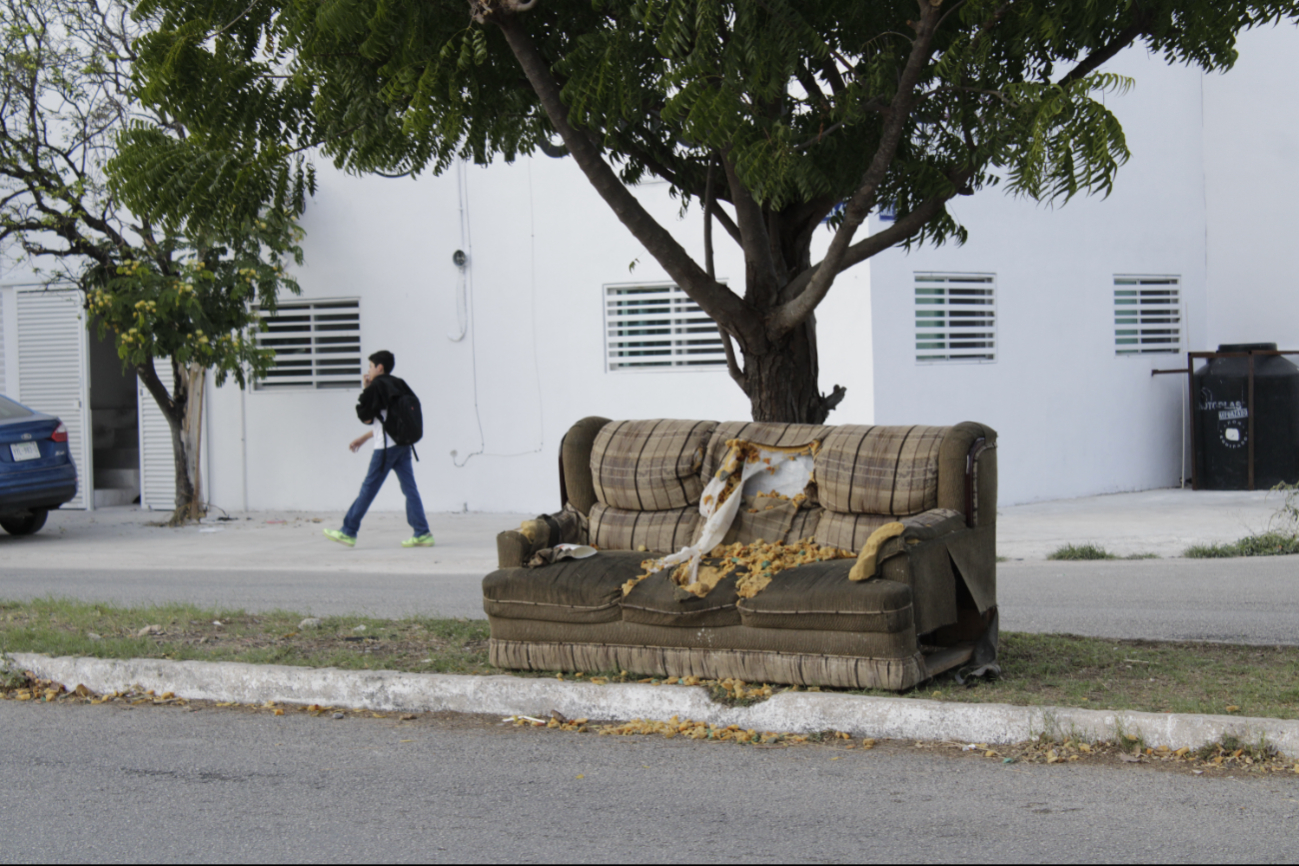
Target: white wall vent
956, 317
658, 327
317, 345
1147, 315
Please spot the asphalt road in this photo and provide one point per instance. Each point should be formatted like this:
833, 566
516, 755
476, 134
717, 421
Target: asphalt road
107, 784
1246, 600
1252, 600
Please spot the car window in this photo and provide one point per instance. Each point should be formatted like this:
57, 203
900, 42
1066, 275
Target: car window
10, 410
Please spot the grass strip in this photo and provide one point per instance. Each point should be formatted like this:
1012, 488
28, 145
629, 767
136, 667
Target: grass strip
1147, 676
63, 627
1038, 669
1264, 544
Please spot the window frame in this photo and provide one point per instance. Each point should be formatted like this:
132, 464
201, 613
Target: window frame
922, 351
332, 378
682, 313
1136, 326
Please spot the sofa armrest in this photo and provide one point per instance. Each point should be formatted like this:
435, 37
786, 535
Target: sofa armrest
514, 547
967, 473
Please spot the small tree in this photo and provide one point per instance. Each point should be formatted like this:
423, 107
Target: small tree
188, 292
774, 116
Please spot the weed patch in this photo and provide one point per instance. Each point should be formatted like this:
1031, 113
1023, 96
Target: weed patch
1080, 551
1266, 544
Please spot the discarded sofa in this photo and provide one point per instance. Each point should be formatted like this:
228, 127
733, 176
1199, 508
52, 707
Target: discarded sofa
632, 489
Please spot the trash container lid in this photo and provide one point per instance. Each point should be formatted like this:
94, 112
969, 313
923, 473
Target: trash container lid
1247, 347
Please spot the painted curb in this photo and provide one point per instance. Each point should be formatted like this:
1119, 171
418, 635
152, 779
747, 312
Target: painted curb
792, 712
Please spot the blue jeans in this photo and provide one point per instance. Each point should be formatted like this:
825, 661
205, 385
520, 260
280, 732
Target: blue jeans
394, 458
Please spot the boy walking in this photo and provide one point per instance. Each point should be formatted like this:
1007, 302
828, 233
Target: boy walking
381, 391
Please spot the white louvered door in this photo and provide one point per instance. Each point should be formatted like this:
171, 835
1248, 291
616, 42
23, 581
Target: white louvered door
5, 316
53, 357
157, 461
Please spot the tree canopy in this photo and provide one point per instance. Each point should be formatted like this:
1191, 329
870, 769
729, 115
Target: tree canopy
773, 116
185, 289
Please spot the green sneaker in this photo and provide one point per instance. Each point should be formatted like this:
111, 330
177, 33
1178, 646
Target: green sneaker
340, 537
419, 541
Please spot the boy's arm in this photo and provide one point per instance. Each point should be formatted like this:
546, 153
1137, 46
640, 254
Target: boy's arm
356, 443
367, 406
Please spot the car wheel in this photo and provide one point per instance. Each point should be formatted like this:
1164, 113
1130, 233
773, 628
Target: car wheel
25, 525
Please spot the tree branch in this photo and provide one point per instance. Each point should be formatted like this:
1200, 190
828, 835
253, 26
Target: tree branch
754, 238
1093, 61
903, 227
732, 364
786, 317
720, 303
727, 223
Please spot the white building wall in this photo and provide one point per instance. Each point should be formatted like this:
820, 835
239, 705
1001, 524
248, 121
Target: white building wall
1073, 418
1251, 138
541, 247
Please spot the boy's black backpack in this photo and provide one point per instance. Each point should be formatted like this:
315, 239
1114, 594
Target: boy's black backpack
405, 422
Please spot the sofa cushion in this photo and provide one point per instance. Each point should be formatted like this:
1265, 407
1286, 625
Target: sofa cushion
571, 590
656, 600
761, 433
879, 470
765, 519
649, 465
820, 597
661, 531
850, 531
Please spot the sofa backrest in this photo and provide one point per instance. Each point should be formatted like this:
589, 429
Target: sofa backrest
866, 475
761, 433
651, 465
889, 471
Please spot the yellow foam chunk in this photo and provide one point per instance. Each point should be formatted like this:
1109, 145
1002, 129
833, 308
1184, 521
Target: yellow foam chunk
865, 566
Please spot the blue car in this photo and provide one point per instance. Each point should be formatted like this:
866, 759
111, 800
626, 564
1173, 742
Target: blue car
36, 470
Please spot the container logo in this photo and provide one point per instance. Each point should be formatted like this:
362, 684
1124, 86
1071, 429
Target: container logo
1233, 419
1207, 402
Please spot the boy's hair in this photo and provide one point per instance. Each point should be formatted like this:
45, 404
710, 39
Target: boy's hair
383, 359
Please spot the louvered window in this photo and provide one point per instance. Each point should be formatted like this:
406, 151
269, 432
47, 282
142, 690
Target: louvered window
658, 327
317, 345
1147, 315
956, 317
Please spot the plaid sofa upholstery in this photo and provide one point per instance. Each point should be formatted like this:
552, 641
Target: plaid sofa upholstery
621, 529
879, 470
649, 465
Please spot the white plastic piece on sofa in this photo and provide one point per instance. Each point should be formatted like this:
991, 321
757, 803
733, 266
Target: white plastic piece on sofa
775, 471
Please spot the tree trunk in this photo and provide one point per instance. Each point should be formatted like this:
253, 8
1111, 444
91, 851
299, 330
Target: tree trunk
183, 409
781, 382
187, 445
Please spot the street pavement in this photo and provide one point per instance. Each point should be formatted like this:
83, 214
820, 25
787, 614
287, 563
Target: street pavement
263, 561
226, 785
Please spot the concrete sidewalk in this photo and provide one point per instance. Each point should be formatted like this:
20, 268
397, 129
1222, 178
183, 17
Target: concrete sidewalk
265, 561
1162, 522
127, 538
